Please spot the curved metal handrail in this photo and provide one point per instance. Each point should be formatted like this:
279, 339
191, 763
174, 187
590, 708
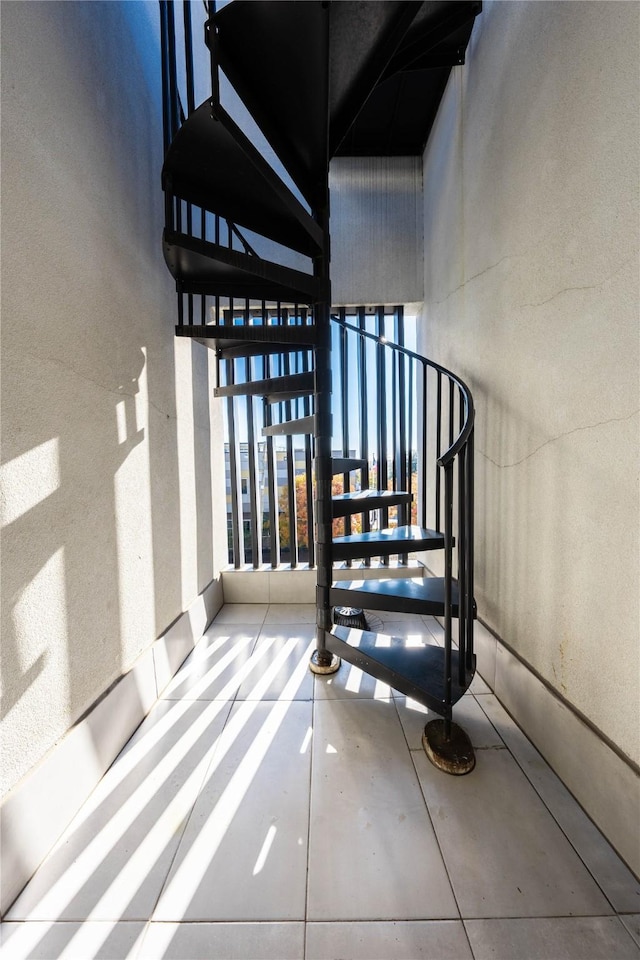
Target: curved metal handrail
469, 411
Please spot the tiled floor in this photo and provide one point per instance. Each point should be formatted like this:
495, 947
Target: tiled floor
261, 813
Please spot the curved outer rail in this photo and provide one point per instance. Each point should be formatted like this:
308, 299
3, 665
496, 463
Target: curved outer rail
454, 491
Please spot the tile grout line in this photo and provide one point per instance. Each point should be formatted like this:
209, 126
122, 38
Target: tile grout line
437, 839
308, 873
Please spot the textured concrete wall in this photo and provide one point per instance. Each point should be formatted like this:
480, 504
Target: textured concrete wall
531, 295
376, 230
113, 510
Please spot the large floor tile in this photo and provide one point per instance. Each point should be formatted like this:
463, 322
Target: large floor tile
388, 940
373, 853
615, 879
632, 923
38, 940
230, 941
244, 852
467, 713
505, 854
217, 666
551, 938
350, 683
281, 661
292, 613
242, 613
112, 861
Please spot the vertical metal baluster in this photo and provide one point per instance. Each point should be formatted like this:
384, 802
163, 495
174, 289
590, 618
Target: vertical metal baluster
235, 485
167, 129
425, 446
191, 105
344, 389
180, 303
235, 469
394, 357
381, 411
451, 410
308, 457
403, 401
174, 108
272, 482
448, 556
438, 444
188, 57
363, 397
291, 472
413, 512
470, 545
211, 38
462, 554
252, 481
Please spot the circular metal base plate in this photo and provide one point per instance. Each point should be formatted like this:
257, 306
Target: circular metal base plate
322, 669
453, 755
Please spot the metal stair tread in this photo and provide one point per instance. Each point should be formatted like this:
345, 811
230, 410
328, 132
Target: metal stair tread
289, 428
204, 267
274, 390
346, 464
423, 595
418, 672
361, 501
249, 339
378, 543
212, 164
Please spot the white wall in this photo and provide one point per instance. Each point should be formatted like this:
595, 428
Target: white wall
113, 510
531, 295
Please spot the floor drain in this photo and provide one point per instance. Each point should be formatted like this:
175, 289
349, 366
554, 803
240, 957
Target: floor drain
350, 617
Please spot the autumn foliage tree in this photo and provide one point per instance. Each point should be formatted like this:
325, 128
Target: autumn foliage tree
302, 512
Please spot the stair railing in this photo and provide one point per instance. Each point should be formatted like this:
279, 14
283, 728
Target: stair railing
445, 468
178, 89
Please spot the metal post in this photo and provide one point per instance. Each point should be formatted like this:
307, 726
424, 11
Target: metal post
322, 661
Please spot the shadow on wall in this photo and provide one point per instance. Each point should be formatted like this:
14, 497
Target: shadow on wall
91, 503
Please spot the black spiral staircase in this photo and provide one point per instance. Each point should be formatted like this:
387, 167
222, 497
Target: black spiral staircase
251, 259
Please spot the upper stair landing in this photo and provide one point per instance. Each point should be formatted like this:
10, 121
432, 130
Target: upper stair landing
363, 38
275, 56
398, 116
291, 62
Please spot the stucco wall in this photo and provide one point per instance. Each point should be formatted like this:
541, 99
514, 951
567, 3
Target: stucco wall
531, 295
113, 509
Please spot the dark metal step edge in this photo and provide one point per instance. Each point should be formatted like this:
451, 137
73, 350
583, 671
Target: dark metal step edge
195, 135
258, 275
273, 390
346, 465
347, 504
298, 140
422, 595
417, 672
237, 341
385, 543
304, 425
